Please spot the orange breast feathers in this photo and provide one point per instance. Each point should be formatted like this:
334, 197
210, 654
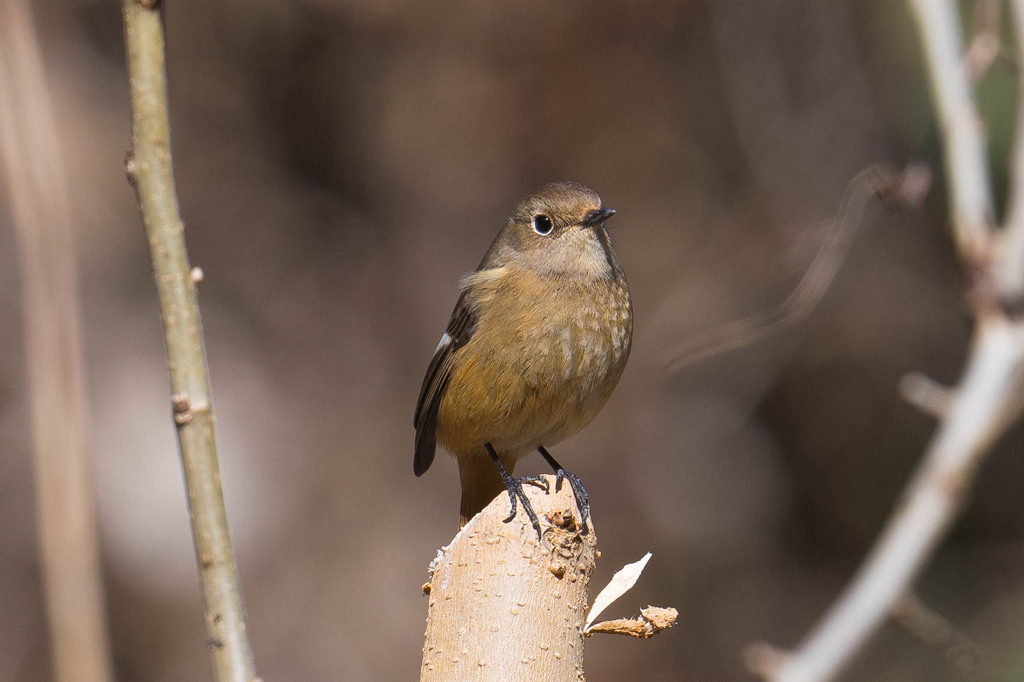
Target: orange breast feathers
535, 370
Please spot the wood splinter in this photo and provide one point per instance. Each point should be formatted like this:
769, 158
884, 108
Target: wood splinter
652, 620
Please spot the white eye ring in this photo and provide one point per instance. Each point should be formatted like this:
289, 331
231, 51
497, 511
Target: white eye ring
542, 224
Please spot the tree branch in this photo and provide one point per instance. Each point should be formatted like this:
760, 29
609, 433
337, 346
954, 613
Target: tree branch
983, 49
38, 195
505, 606
965, 158
976, 413
1012, 241
988, 394
958, 649
149, 168
873, 181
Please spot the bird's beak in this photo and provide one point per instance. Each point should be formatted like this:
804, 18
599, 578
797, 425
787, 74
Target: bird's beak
597, 217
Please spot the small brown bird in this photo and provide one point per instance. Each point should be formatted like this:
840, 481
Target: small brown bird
538, 340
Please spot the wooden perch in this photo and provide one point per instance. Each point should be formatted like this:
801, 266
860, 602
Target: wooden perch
505, 605
508, 607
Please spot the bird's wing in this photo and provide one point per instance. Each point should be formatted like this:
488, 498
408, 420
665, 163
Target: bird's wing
460, 329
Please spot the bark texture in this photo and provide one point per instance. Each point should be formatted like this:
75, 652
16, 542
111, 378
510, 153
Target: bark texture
506, 606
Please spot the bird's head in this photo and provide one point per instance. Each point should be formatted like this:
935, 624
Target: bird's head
558, 229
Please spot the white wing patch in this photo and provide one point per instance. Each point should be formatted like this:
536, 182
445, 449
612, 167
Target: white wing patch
445, 340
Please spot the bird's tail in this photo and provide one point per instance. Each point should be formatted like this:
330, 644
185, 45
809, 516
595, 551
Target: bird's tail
481, 483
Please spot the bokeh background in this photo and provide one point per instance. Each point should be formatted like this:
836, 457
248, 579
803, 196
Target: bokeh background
342, 162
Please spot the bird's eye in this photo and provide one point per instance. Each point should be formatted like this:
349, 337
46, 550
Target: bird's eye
542, 224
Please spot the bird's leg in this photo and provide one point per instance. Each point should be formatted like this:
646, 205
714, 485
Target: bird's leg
514, 486
578, 491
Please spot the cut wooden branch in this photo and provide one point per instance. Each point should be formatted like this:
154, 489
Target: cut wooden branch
509, 607
506, 606
150, 170
42, 217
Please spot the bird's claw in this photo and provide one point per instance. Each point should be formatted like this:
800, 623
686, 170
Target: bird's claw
579, 492
516, 492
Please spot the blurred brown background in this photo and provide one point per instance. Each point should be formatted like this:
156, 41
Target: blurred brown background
341, 163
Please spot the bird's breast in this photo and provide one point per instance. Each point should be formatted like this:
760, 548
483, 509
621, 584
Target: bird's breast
581, 344
542, 362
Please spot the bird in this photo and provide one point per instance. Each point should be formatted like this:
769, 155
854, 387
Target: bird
538, 340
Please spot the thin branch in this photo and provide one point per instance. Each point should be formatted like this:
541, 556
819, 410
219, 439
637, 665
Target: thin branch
960, 652
149, 168
973, 415
983, 50
870, 182
1012, 247
965, 158
987, 395
928, 396
38, 196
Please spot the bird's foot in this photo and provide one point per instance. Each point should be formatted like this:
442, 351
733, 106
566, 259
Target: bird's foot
516, 493
578, 489
514, 486
579, 492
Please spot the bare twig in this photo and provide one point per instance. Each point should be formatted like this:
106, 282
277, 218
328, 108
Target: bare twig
1012, 247
149, 168
987, 394
977, 412
965, 158
984, 46
960, 652
926, 395
763, 659
870, 182
38, 195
